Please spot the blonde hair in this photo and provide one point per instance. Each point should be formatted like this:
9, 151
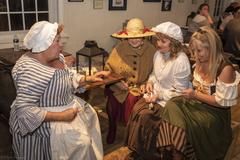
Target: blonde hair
60, 29
175, 45
212, 42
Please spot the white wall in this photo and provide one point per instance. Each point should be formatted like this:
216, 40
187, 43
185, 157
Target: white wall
82, 22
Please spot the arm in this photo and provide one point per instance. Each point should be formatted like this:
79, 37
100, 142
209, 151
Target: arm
26, 112
210, 20
67, 115
152, 78
179, 80
111, 59
228, 77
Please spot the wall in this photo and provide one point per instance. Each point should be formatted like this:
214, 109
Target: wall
82, 22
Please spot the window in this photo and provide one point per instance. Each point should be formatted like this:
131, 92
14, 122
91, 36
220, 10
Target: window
17, 15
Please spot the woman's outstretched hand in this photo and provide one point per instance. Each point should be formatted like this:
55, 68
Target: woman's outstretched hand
98, 76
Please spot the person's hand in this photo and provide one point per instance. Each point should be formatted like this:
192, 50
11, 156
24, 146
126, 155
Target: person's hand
143, 88
149, 87
102, 73
151, 99
98, 76
188, 93
69, 114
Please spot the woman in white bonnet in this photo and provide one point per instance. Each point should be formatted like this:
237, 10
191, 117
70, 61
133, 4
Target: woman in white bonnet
170, 75
47, 121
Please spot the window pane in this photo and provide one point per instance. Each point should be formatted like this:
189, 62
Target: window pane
3, 6
42, 5
30, 19
43, 17
4, 22
16, 22
29, 5
15, 5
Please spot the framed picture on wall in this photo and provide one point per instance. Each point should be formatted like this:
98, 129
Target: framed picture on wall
117, 5
166, 5
151, 0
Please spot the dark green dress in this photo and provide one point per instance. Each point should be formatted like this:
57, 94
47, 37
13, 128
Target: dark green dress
205, 128
208, 128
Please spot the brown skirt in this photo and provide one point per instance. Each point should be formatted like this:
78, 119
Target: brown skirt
143, 128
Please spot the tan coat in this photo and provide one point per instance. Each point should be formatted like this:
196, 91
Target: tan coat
134, 64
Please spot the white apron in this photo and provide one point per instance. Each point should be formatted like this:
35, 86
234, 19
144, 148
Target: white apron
79, 139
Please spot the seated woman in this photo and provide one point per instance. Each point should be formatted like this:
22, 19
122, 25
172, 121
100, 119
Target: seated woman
201, 19
47, 121
132, 59
197, 125
170, 75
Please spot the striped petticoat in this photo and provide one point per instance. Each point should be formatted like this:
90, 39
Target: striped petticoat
175, 137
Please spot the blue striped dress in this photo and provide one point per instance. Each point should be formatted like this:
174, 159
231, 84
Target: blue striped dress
37, 86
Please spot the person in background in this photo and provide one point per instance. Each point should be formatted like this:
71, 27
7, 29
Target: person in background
231, 34
227, 15
202, 18
170, 75
132, 59
193, 125
47, 121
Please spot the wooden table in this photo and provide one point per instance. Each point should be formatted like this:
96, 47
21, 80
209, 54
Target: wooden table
112, 78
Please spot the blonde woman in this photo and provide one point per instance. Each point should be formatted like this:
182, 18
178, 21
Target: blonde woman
171, 72
194, 125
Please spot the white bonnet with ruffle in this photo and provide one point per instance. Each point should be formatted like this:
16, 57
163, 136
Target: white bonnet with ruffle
40, 36
170, 29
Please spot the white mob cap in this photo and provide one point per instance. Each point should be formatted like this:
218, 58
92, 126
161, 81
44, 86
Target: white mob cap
40, 36
170, 29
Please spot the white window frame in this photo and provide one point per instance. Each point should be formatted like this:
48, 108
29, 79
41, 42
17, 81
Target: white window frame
7, 36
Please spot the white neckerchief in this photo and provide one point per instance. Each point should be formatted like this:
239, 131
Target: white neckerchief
166, 56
